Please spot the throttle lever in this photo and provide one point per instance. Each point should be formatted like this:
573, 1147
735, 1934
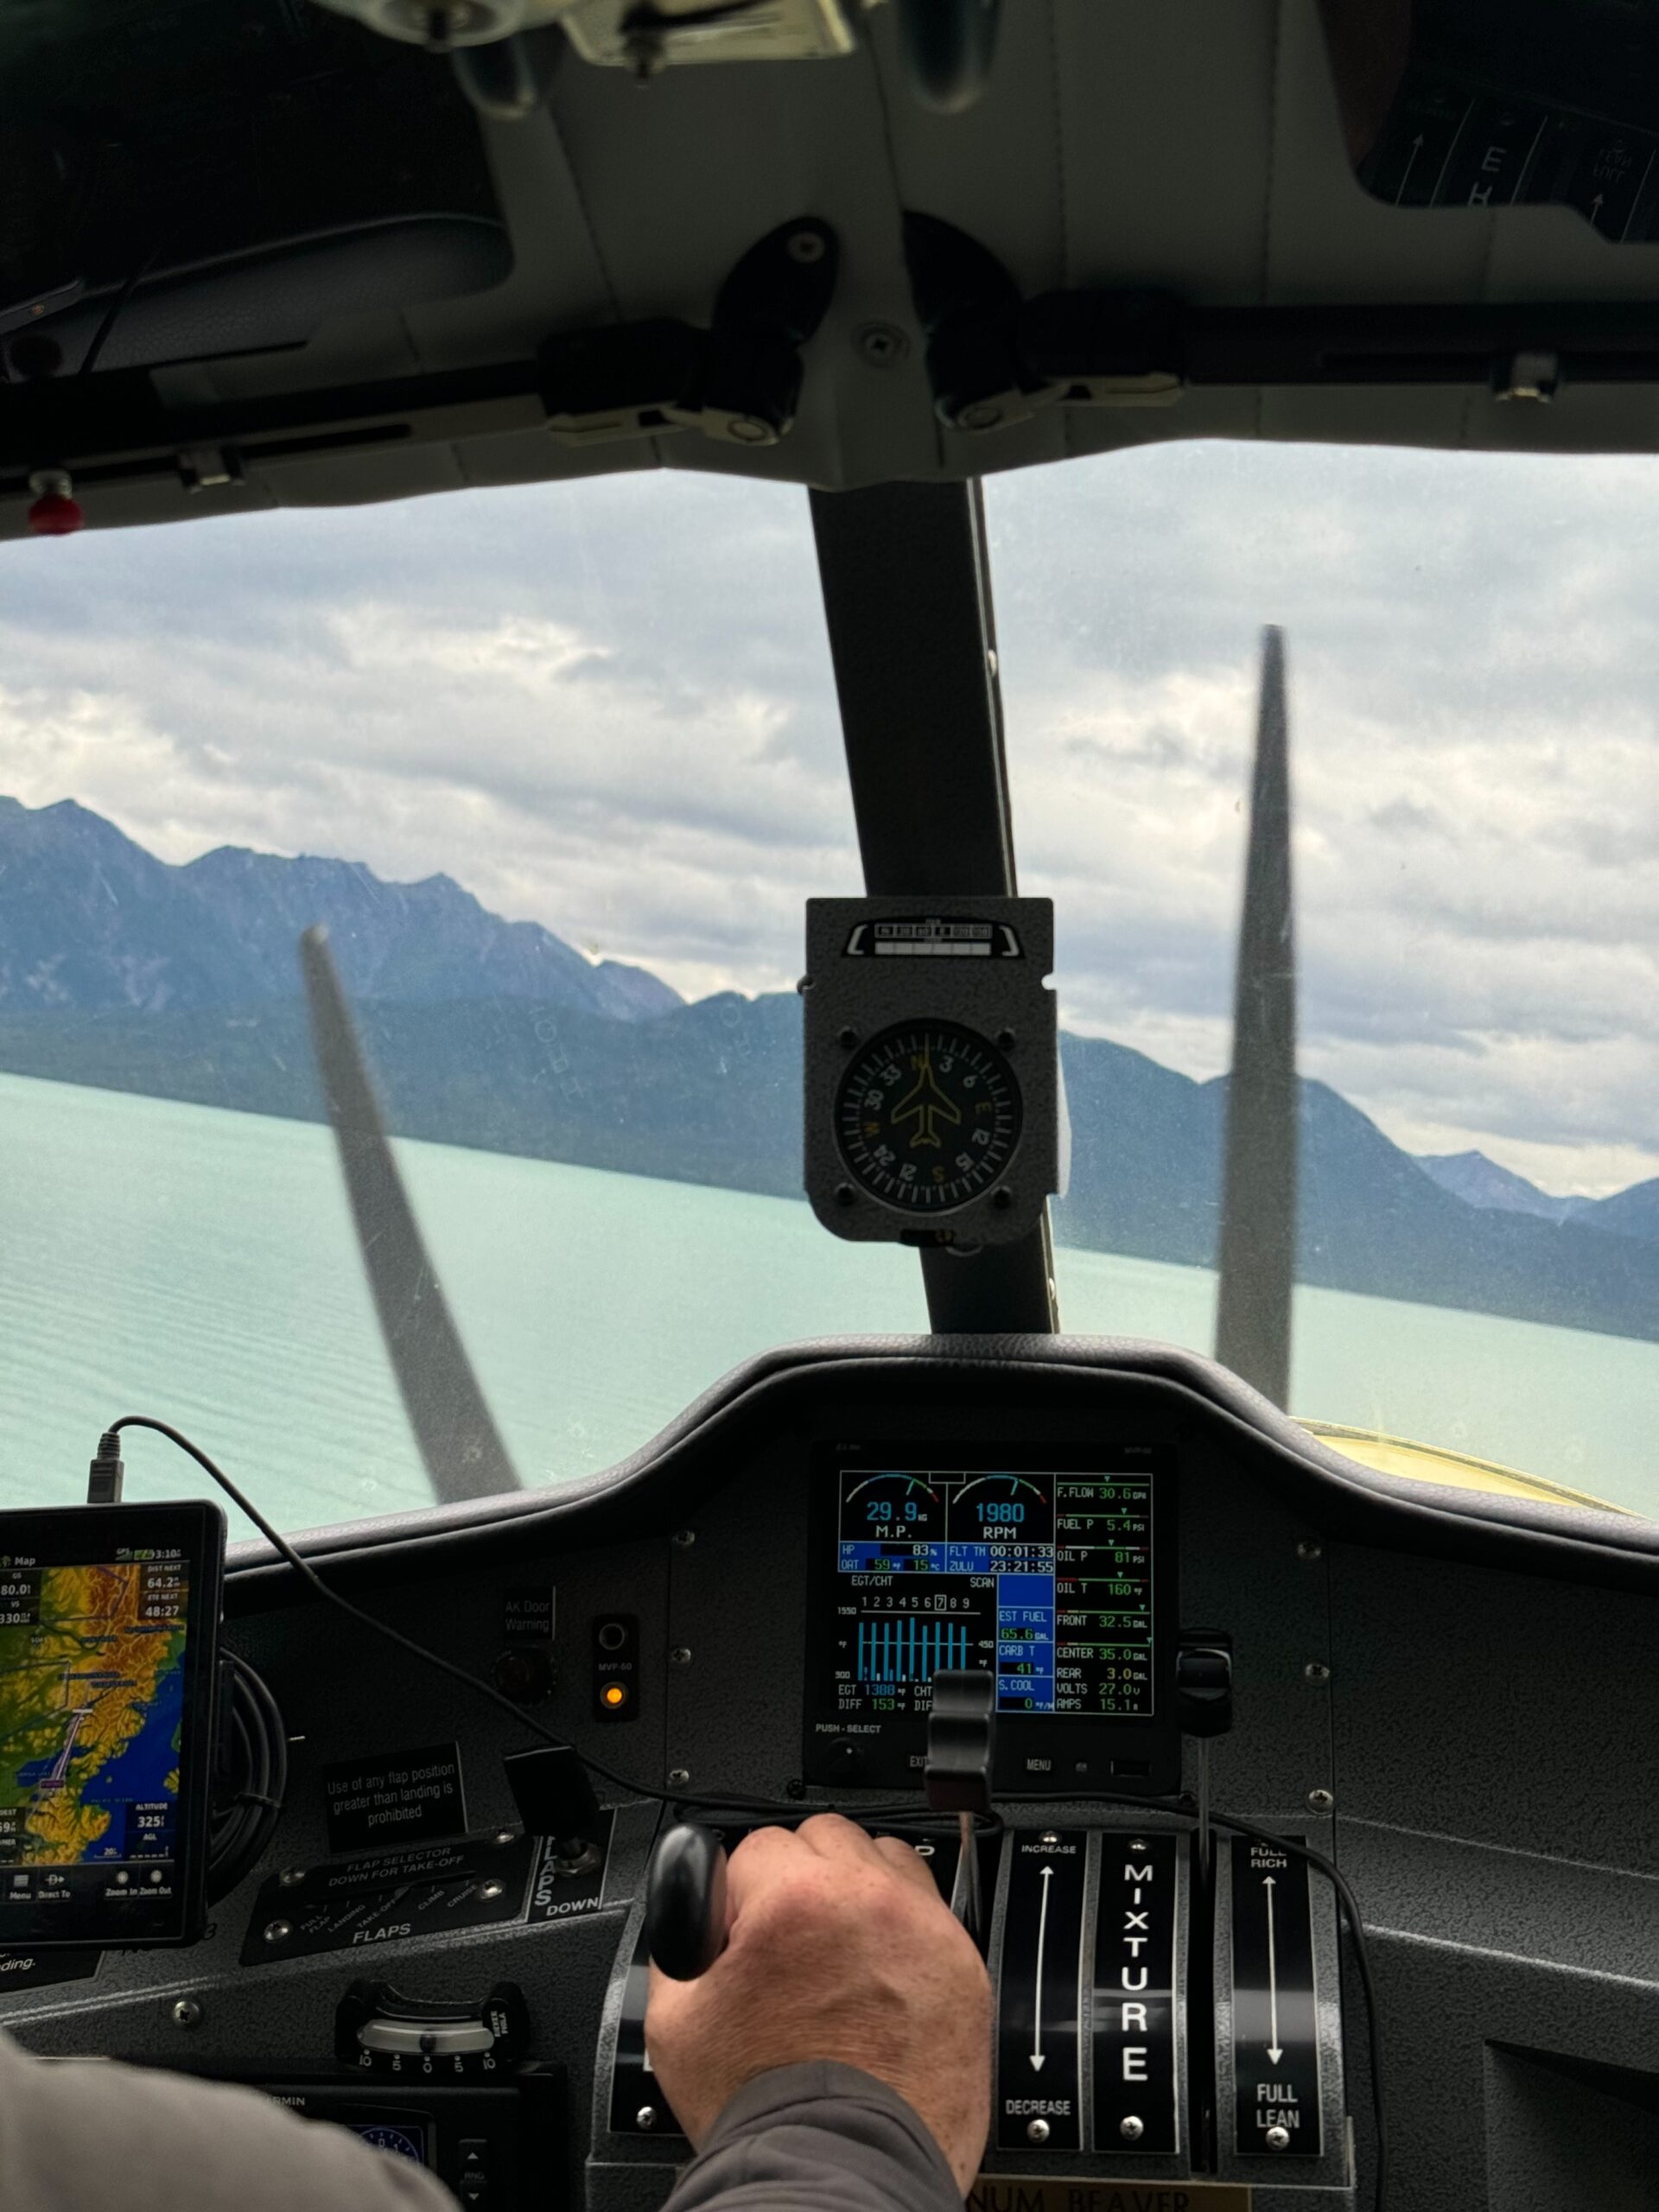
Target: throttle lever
960, 1753
685, 1901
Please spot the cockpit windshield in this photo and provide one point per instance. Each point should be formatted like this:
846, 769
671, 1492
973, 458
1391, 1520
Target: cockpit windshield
555, 767
1477, 916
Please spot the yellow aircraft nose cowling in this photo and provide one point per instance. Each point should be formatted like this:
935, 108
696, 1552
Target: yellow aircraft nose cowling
1427, 1463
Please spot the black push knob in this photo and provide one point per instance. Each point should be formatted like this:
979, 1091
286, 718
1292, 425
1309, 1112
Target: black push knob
961, 1750
1203, 1682
960, 1741
685, 1902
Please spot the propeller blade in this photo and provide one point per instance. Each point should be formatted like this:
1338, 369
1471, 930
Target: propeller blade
464, 1455
1257, 1255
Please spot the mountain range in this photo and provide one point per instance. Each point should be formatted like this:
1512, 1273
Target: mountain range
1481, 1182
91, 922
119, 970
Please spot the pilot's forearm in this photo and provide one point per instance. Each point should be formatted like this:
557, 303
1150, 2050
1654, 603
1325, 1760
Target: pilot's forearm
817, 2138
77, 2134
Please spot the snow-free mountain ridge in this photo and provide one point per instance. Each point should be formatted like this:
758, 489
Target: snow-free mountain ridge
120, 972
90, 922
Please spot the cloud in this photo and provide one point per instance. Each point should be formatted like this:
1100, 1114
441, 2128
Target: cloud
608, 705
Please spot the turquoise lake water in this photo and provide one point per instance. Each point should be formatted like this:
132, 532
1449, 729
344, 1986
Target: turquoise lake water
200, 1265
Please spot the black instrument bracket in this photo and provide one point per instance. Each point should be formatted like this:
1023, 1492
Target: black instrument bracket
995, 357
738, 381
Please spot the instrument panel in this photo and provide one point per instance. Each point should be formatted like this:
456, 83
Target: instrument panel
780, 1573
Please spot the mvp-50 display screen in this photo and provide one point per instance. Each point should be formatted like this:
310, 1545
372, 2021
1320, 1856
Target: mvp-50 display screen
109, 1629
1052, 1574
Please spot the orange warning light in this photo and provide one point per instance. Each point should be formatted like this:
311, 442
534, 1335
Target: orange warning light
613, 1695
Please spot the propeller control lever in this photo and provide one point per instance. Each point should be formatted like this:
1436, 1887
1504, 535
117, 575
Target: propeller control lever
961, 1746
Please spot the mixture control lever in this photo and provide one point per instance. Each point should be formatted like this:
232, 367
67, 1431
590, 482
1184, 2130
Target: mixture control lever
961, 1745
685, 1901
1204, 1709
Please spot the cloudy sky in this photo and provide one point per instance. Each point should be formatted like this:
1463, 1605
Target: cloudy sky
608, 706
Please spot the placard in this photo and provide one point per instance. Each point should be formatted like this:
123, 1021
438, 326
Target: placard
529, 1613
397, 1797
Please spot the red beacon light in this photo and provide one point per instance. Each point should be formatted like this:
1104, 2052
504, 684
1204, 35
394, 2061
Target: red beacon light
56, 511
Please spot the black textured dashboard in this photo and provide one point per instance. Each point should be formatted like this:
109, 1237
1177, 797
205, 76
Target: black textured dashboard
1453, 1693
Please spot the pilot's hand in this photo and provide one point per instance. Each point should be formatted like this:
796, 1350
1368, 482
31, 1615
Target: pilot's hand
839, 1947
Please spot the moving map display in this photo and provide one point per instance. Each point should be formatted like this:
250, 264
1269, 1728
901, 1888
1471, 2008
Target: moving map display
99, 1708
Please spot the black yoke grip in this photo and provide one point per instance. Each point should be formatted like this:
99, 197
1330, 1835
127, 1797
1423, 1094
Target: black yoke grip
685, 1902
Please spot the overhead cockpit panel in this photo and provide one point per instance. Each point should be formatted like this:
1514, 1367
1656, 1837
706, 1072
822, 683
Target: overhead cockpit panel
1204, 159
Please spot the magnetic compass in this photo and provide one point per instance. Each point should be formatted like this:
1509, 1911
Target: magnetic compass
928, 1115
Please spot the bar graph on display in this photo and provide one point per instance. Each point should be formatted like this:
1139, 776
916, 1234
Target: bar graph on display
904, 1649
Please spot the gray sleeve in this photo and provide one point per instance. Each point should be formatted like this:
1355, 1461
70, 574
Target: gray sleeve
80, 2135
817, 2138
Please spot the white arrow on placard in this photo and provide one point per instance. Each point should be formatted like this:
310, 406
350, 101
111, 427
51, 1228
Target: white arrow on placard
1276, 2050
1037, 2052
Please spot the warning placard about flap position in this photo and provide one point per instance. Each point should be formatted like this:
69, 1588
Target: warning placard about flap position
397, 1797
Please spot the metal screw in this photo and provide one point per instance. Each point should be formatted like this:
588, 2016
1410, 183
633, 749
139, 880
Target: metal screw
983, 415
277, 1931
1278, 2139
1007, 1039
291, 1877
684, 1538
806, 247
880, 344
678, 1776
1316, 1671
680, 1655
1131, 2128
187, 2013
645, 2117
492, 1888
1321, 1801
1308, 1549
795, 1789
847, 1040
845, 1194
1037, 2131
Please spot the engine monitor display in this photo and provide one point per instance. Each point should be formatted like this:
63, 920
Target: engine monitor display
1043, 1576
109, 1620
